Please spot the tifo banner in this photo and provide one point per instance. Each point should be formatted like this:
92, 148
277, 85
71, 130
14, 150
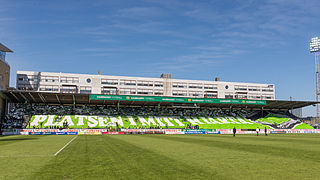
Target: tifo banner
174, 99
73, 121
152, 122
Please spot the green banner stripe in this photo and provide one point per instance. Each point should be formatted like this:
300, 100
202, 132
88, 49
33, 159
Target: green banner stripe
174, 99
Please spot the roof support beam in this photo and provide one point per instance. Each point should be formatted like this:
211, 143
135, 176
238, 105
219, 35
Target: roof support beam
58, 99
23, 97
34, 100
42, 98
14, 96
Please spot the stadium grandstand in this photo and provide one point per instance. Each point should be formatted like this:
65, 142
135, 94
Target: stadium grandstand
43, 110
44, 100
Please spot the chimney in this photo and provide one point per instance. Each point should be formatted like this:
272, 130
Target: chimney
217, 79
99, 72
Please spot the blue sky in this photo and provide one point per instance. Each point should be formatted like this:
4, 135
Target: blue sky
241, 41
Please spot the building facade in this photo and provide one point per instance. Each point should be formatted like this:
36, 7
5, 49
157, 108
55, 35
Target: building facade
4, 76
4, 68
124, 85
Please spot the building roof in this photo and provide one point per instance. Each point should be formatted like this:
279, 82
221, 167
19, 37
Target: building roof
15, 96
3, 48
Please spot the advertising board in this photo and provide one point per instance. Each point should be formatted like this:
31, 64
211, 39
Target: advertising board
113, 133
174, 99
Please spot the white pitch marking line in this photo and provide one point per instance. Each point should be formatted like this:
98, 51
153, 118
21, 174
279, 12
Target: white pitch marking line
65, 146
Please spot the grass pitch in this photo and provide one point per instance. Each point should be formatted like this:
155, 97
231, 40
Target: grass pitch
160, 157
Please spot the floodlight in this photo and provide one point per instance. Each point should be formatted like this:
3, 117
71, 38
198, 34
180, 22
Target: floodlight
315, 45
315, 49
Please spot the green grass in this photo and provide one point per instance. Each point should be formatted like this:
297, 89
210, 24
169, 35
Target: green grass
290, 156
303, 126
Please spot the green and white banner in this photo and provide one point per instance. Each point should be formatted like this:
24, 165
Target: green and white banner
84, 121
174, 99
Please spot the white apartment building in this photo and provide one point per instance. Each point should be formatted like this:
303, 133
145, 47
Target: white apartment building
124, 85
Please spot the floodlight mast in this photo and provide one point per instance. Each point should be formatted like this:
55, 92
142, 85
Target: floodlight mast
315, 48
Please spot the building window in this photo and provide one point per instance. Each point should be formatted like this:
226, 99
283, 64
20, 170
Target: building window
179, 85
69, 80
179, 93
128, 82
49, 88
49, 79
67, 89
109, 81
254, 89
3, 55
109, 90
158, 84
145, 83
127, 91
267, 90
210, 96
195, 94
145, 91
195, 86
210, 86
240, 89
85, 90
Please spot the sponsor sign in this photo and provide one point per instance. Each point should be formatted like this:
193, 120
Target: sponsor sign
93, 133
278, 132
178, 132
206, 130
61, 133
49, 133
113, 133
24, 133
10, 133
215, 132
72, 133
35, 133
173, 131
195, 132
174, 99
